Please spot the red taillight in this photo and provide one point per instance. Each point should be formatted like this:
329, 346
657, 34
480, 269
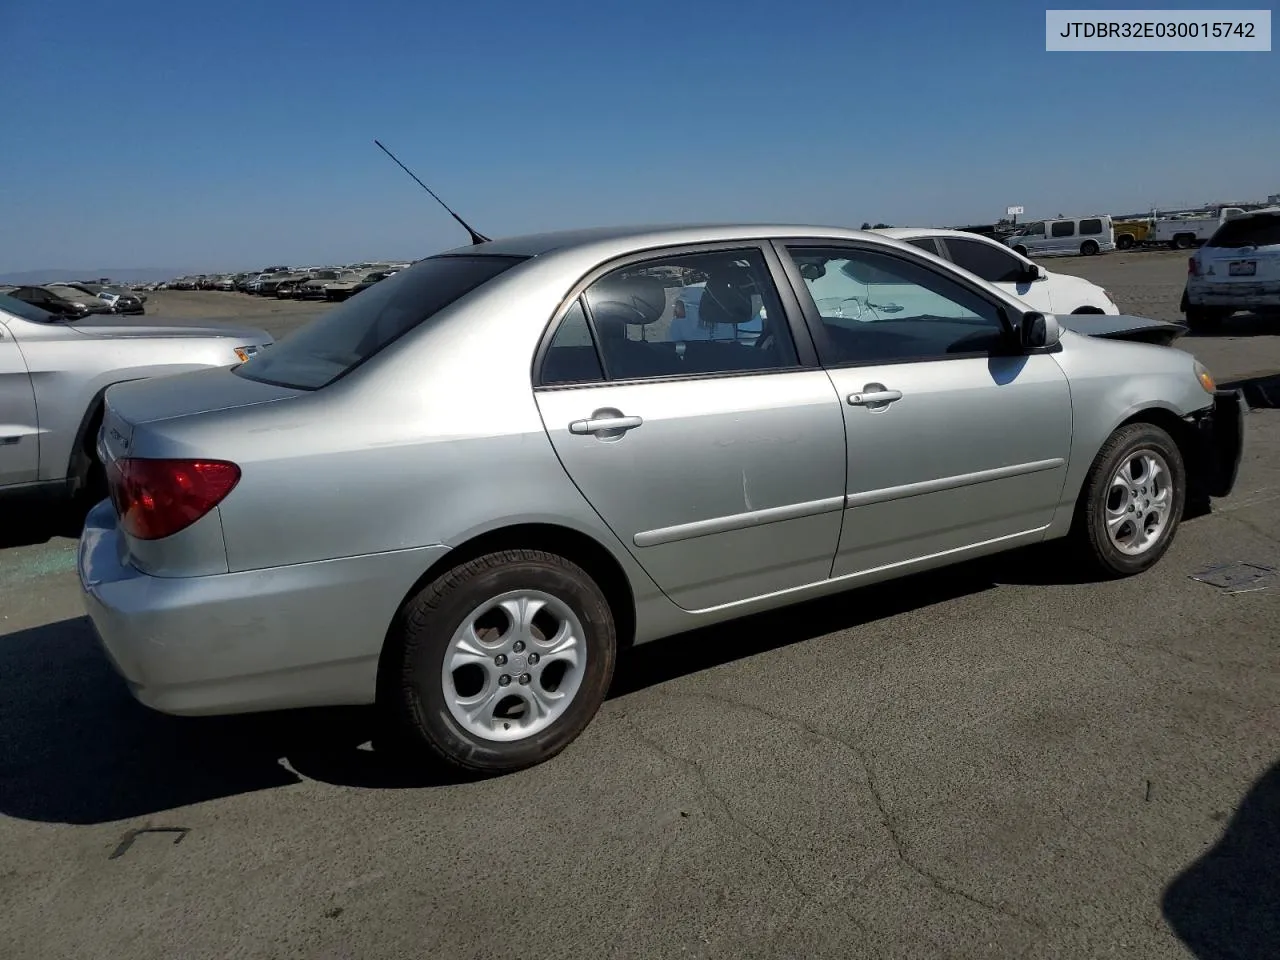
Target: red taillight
1193, 267
157, 498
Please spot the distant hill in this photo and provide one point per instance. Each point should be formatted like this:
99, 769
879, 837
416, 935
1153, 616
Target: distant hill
121, 274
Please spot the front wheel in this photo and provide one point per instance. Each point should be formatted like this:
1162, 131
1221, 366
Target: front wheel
1020, 250
501, 662
1132, 501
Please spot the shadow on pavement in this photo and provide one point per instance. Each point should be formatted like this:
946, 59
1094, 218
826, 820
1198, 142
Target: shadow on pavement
1241, 325
26, 521
1226, 906
75, 747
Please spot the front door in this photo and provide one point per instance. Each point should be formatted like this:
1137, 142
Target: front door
955, 441
19, 435
718, 458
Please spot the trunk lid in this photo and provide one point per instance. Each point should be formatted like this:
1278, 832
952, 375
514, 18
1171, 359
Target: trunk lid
164, 398
116, 325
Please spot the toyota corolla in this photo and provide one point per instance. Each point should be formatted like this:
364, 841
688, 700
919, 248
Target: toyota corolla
461, 493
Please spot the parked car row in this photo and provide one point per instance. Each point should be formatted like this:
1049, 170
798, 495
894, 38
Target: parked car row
295, 283
75, 299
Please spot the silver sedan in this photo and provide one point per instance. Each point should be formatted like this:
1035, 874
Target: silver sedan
461, 493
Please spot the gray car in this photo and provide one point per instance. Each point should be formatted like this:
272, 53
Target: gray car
54, 372
461, 493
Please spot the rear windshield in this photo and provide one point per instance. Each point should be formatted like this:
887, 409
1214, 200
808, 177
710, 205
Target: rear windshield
27, 311
1248, 232
343, 338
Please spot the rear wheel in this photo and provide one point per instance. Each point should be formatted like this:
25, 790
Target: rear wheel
1089, 248
1132, 501
1124, 241
1183, 241
1204, 318
501, 662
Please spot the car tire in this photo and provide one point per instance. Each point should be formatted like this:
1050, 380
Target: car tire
457, 616
1200, 319
1118, 548
1089, 248
1021, 251
1124, 241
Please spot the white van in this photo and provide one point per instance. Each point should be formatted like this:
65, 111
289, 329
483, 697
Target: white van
1085, 236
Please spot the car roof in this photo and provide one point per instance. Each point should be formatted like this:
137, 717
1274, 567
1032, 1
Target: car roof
911, 233
616, 241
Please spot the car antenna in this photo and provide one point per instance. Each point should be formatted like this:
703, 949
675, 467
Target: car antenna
475, 237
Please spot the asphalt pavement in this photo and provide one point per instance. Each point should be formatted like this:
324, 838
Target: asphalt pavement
992, 761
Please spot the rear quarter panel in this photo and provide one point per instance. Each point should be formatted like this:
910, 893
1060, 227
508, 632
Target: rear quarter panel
1112, 381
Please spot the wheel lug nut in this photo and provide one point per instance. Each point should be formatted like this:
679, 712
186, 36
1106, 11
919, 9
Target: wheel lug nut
525, 678
518, 646
500, 659
533, 658
504, 680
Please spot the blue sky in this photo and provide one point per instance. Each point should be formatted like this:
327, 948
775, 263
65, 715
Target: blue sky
235, 134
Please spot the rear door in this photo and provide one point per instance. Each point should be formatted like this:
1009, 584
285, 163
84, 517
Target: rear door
19, 430
957, 441
1062, 237
717, 459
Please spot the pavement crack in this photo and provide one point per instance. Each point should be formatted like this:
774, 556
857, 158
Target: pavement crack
770, 847
865, 760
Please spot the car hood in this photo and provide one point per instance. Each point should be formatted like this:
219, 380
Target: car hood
1122, 327
114, 325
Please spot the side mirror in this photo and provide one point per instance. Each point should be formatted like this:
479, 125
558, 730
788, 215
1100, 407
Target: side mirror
1038, 331
1032, 273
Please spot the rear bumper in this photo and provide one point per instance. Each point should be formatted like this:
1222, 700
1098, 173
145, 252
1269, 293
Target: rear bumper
1218, 433
1236, 296
284, 637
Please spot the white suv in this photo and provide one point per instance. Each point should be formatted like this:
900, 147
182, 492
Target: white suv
1238, 268
1044, 290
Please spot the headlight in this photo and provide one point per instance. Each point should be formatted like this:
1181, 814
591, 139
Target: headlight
1205, 377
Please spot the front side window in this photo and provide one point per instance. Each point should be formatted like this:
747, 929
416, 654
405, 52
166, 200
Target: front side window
1063, 228
988, 261
345, 337
1090, 228
875, 308
693, 314
1035, 230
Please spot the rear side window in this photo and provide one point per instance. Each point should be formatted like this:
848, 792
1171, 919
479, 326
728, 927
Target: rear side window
1261, 231
986, 260
571, 356
345, 337
20, 308
1063, 228
1090, 227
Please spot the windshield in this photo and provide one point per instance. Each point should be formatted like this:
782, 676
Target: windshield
1255, 231
69, 293
27, 311
343, 338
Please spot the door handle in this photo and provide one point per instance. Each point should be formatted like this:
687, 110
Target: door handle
874, 395
605, 425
